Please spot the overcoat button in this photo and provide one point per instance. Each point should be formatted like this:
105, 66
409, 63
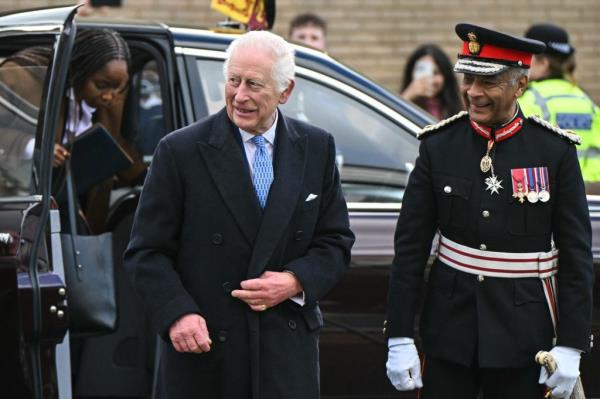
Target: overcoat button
298, 235
292, 324
485, 214
217, 239
480, 278
447, 189
222, 336
483, 247
227, 287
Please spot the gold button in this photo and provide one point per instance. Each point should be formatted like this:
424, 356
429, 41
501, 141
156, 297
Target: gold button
480, 278
483, 247
447, 189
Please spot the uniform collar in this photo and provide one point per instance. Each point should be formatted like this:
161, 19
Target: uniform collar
504, 132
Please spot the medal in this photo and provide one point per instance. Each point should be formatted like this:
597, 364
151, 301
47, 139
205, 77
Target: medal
532, 197
532, 194
544, 195
518, 178
493, 184
521, 193
486, 162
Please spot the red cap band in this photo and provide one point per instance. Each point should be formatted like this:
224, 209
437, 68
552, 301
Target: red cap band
498, 53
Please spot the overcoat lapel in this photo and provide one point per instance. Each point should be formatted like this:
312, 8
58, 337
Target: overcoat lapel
229, 170
290, 156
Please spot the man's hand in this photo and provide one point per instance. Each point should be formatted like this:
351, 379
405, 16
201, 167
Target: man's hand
189, 334
269, 290
563, 380
403, 365
60, 155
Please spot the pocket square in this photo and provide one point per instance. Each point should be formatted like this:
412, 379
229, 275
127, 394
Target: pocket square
310, 197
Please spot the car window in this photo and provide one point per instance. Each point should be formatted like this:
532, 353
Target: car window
374, 154
20, 97
150, 112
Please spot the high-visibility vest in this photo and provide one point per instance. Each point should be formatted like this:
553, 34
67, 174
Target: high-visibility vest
565, 105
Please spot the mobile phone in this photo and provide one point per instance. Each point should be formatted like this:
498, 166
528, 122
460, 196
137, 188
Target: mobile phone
423, 69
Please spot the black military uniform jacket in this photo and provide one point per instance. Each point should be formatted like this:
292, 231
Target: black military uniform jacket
490, 321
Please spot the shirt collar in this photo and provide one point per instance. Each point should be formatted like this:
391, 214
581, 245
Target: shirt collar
80, 114
87, 110
269, 135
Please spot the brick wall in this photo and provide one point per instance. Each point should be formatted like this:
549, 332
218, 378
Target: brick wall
376, 36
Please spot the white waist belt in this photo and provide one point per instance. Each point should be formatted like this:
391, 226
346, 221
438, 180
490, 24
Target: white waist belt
505, 264
498, 264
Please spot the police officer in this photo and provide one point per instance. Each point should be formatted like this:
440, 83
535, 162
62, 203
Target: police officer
506, 196
553, 95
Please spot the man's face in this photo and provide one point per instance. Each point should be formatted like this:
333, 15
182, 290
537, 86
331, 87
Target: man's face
251, 93
310, 35
491, 100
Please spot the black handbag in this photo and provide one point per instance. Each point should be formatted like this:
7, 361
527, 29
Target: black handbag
89, 273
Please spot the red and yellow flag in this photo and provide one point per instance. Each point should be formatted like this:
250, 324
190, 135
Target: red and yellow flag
249, 12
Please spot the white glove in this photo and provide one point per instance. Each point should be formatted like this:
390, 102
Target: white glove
403, 365
567, 370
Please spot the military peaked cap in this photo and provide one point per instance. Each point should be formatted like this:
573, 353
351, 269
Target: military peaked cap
487, 52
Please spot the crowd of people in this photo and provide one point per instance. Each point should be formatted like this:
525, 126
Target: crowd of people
252, 197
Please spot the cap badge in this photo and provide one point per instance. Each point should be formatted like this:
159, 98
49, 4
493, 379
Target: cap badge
474, 46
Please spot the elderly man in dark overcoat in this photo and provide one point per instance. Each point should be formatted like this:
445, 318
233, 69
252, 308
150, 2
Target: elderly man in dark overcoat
240, 230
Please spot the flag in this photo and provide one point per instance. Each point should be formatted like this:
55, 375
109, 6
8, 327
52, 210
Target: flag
249, 12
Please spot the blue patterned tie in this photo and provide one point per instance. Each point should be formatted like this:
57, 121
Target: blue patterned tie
263, 170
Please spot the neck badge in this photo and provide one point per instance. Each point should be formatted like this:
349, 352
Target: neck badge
493, 183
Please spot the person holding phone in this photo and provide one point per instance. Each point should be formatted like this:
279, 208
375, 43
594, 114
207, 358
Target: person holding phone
430, 83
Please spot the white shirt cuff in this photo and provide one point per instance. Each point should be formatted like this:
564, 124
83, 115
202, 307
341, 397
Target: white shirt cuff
400, 341
300, 299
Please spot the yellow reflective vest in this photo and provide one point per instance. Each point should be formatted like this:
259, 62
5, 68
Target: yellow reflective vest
565, 105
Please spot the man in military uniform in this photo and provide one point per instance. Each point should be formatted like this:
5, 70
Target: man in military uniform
506, 196
553, 95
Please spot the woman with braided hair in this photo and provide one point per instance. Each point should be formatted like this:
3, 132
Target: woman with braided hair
98, 80
97, 84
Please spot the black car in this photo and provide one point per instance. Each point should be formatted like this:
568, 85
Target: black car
176, 79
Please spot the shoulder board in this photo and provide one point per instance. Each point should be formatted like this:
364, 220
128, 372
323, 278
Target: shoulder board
432, 128
569, 135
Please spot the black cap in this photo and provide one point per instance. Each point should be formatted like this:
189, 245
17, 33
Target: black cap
487, 52
555, 38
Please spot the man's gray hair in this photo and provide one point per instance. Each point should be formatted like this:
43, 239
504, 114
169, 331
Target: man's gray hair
283, 68
513, 74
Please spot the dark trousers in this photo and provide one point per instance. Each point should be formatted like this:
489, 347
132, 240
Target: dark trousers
447, 380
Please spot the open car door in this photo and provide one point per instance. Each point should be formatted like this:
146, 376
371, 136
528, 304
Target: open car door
32, 292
